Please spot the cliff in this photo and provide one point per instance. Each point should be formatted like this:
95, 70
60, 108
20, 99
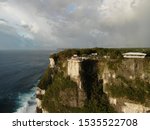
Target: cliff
95, 80
127, 84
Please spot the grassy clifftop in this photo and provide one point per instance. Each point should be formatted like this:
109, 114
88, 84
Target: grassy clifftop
113, 53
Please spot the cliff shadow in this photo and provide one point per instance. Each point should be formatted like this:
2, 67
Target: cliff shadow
89, 76
97, 100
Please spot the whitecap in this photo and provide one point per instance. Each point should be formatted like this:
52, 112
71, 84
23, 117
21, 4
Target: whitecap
27, 101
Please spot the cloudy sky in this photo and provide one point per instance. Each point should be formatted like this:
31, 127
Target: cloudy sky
49, 24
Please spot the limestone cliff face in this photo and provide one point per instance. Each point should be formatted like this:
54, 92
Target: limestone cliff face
127, 84
130, 75
39, 95
51, 63
73, 70
123, 84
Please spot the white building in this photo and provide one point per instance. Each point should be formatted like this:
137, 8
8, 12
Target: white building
94, 54
134, 55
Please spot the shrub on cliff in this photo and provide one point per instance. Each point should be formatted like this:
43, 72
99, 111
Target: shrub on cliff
46, 79
53, 101
136, 90
98, 103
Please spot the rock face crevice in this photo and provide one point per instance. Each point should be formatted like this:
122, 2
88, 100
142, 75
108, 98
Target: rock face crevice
89, 76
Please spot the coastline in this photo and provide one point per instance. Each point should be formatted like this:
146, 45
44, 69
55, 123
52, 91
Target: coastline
28, 101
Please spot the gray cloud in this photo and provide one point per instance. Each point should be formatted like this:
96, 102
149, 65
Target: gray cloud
68, 23
3, 0
3, 21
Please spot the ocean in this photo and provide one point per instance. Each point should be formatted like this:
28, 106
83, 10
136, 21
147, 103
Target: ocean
20, 72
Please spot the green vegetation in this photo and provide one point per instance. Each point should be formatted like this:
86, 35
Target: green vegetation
98, 102
114, 64
53, 101
46, 79
63, 92
136, 90
113, 53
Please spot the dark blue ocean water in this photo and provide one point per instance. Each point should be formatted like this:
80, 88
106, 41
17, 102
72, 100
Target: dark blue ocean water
19, 74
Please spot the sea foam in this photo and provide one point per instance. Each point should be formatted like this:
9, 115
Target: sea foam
27, 102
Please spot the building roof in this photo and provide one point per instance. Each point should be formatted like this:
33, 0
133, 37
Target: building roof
135, 53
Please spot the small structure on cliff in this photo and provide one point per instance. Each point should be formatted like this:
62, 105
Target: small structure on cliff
94, 54
134, 55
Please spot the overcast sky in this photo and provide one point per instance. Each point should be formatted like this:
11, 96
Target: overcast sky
49, 24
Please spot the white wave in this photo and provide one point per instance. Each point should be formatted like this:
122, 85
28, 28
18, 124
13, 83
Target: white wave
27, 102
